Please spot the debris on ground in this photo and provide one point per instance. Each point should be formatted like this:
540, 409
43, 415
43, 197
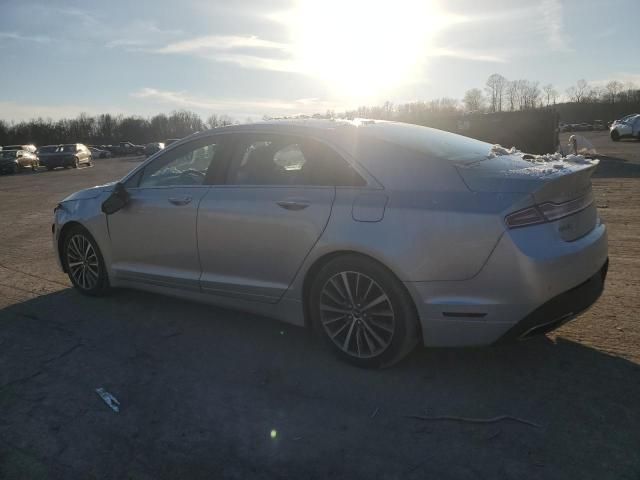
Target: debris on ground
109, 399
476, 420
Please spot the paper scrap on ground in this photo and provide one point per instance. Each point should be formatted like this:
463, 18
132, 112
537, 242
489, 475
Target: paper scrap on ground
109, 399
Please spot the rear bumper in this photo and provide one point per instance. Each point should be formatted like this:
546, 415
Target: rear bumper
531, 279
561, 309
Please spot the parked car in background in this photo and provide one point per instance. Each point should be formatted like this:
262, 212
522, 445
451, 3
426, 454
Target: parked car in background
99, 153
67, 155
45, 152
152, 148
626, 127
127, 148
449, 244
28, 147
12, 161
599, 125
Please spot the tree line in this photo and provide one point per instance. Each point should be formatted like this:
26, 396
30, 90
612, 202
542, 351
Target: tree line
581, 102
107, 129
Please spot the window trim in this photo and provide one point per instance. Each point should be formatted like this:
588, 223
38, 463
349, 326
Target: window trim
224, 140
240, 140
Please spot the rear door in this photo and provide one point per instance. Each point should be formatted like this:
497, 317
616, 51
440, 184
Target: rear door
154, 236
255, 231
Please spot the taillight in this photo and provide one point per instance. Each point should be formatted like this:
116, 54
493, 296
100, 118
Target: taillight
522, 218
555, 211
547, 212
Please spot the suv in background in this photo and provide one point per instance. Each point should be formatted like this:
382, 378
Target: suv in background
626, 127
68, 155
152, 148
13, 160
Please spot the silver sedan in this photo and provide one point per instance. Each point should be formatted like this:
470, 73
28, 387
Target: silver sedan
377, 235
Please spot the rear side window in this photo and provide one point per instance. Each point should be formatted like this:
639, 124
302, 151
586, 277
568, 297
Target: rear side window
287, 160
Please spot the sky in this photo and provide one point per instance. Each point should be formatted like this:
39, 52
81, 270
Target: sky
249, 58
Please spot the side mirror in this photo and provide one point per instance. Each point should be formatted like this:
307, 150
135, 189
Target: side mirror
116, 201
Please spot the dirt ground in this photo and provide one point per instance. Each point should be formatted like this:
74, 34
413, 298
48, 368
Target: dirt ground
212, 393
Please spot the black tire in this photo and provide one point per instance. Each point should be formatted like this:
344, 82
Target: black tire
396, 327
98, 282
615, 136
15, 169
76, 163
34, 167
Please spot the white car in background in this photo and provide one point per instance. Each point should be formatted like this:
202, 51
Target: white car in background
628, 126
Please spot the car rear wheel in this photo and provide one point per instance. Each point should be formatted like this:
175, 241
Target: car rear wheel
84, 263
615, 136
363, 312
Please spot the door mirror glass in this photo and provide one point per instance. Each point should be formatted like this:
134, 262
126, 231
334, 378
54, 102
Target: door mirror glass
116, 201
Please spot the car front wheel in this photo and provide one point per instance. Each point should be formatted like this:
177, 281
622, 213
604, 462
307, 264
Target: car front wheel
84, 263
615, 136
363, 312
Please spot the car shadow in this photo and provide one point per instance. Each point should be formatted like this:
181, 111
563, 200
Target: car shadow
612, 167
206, 392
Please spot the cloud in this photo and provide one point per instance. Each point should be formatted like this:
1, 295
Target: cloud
552, 24
25, 38
238, 108
248, 51
17, 112
468, 55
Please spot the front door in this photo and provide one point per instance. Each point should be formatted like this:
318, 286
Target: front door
154, 237
255, 231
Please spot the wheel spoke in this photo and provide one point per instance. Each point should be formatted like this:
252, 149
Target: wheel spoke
345, 345
358, 341
329, 308
333, 320
373, 333
369, 342
339, 331
375, 302
377, 324
338, 289
345, 282
332, 297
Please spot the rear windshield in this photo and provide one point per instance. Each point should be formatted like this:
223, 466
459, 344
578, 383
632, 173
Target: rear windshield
435, 143
48, 149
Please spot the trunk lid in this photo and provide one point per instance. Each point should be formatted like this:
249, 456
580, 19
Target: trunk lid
556, 184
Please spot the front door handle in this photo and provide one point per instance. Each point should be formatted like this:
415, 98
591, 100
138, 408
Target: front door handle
293, 204
186, 200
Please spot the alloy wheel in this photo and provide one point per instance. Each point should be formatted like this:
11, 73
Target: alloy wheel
82, 262
357, 314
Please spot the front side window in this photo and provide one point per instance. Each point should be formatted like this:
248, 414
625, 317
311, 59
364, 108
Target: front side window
185, 166
284, 160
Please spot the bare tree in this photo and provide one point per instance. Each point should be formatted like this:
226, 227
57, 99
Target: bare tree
473, 100
578, 92
551, 94
614, 88
512, 94
495, 87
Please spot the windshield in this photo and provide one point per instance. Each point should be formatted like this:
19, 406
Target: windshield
48, 149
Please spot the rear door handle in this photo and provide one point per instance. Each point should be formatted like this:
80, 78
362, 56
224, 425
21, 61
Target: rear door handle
186, 200
293, 204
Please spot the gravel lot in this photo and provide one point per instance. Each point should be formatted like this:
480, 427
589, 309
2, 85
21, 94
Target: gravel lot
211, 393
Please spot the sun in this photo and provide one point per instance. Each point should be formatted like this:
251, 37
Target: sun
363, 48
